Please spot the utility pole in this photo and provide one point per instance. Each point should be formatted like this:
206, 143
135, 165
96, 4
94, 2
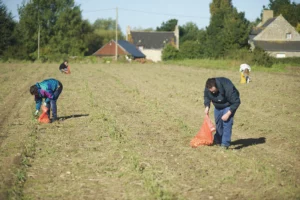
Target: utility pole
39, 31
39, 42
117, 33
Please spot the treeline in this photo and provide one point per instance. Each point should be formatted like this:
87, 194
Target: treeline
54, 30
227, 34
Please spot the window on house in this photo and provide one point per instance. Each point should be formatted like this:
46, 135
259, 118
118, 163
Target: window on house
288, 36
280, 55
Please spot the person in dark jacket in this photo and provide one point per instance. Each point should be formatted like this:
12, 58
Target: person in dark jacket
49, 90
64, 67
226, 100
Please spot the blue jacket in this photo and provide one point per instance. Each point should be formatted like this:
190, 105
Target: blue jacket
46, 90
228, 95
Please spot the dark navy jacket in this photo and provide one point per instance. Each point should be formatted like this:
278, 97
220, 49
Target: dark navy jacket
227, 96
63, 66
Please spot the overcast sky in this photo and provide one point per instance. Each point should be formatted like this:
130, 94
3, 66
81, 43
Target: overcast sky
151, 14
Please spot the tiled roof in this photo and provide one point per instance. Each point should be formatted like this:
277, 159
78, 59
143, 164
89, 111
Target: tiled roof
109, 49
268, 22
130, 48
257, 30
287, 46
152, 40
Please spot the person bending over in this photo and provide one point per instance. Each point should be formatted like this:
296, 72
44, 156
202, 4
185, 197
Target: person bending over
226, 100
49, 90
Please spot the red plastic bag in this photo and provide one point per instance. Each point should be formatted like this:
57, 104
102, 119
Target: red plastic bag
204, 136
44, 117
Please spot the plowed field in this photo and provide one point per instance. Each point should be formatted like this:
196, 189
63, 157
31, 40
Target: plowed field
124, 133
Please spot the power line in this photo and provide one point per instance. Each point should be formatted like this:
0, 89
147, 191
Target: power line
99, 10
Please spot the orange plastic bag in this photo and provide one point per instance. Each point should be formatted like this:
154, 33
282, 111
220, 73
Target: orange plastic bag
44, 117
69, 70
204, 136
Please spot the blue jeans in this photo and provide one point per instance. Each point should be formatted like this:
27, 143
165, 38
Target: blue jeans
223, 128
52, 103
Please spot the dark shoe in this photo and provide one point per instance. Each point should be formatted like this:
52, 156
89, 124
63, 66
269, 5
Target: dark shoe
53, 120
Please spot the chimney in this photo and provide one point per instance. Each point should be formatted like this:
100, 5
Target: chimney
176, 33
267, 14
127, 32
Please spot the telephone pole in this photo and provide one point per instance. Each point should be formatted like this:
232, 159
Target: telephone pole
117, 33
39, 30
39, 33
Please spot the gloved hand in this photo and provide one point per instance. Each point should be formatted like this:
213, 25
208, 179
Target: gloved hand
36, 112
44, 104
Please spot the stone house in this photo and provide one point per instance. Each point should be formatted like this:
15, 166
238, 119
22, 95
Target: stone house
276, 36
152, 43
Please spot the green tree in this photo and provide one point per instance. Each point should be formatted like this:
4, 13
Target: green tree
216, 6
104, 30
60, 24
260, 57
106, 24
189, 31
70, 31
289, 10
170, 53
191, 50
298, 27
168, 26
93, 42
7, 26
227, 30
236, 31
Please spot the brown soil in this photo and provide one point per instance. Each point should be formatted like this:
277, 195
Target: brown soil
124, 133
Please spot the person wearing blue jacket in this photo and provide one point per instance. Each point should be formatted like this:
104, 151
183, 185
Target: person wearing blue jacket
226, 100
49, 90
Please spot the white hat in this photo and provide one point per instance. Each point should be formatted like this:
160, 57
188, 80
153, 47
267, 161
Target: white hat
244, 66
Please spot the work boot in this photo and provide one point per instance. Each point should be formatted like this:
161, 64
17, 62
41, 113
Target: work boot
53, 120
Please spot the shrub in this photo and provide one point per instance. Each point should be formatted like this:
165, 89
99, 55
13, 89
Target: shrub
260, 57
240, 54
289, 61
170, 53
107, 60
191, 50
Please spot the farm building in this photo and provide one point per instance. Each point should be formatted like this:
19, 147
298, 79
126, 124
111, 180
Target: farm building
276, 36
124, 48
152, 43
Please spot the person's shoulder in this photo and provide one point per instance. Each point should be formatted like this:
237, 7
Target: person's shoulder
224, 80
221, 78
